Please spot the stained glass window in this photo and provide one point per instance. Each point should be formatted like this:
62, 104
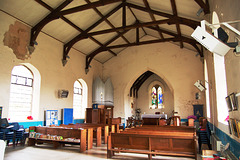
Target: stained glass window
157, 97
160, 97
154, 98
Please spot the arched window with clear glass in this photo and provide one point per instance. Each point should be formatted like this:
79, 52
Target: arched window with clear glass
77, 100
21, 94
157, 97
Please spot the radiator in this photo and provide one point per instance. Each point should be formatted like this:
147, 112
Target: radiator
216, 143
219, 147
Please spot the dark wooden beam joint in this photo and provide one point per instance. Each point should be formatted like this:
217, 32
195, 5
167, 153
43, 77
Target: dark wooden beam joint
37, 29
97, 51
203, 5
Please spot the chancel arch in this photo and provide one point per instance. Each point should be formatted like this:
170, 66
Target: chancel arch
140, 95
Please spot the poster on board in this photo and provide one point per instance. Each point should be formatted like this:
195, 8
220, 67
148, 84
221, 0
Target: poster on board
1, 111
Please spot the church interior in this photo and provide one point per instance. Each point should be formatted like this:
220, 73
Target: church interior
119, 79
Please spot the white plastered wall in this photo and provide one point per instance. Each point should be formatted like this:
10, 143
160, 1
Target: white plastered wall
179, 68
47, 59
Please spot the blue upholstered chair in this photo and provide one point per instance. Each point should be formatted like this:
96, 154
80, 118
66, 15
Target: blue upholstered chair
1, 135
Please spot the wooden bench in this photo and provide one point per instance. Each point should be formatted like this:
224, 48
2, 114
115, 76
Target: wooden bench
191, 129
106, 129
52, 135
89, 134
116, 122
160, 140
96, 131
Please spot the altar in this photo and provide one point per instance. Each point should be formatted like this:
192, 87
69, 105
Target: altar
154, 116
152, 119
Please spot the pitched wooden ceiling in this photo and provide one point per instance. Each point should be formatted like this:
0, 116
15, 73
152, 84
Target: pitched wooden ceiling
101, 29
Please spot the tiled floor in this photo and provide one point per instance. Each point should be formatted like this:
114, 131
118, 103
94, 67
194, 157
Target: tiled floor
46, 152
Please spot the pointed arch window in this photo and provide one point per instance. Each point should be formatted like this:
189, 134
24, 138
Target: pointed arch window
156, 97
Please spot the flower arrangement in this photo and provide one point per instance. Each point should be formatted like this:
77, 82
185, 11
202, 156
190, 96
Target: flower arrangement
138, 110
192, 116
29, 117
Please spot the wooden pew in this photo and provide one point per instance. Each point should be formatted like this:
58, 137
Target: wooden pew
89, 134
98, 135
116, 122
49, 135
160, 140
107, 129
191, 129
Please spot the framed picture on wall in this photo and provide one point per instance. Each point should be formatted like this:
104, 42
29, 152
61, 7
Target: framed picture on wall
230, 126
1, 111
234, 127
238, 127
233, 101
229, 105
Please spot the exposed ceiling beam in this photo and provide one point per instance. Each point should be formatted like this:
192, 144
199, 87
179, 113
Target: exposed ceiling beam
84, 34
88, 6
124, 16
191, 23
136, 25
74, 26
107, 21
184, 39
50, 17
90, 57
173, 18
57, 13
144, 43
152, 16
137, 35
174, 9
136, 19
178, 39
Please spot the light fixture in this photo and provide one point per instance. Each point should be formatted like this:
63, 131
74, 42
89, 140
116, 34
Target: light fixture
64, 62
199, 85
237, 50
31, 49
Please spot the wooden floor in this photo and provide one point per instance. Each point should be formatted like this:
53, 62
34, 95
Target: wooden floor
46, 152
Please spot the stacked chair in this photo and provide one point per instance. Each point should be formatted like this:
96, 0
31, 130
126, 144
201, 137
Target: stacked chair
19, 133
12, 132
204, 134
6, 129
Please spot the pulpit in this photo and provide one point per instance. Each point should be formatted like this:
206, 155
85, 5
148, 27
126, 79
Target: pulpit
100, 115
